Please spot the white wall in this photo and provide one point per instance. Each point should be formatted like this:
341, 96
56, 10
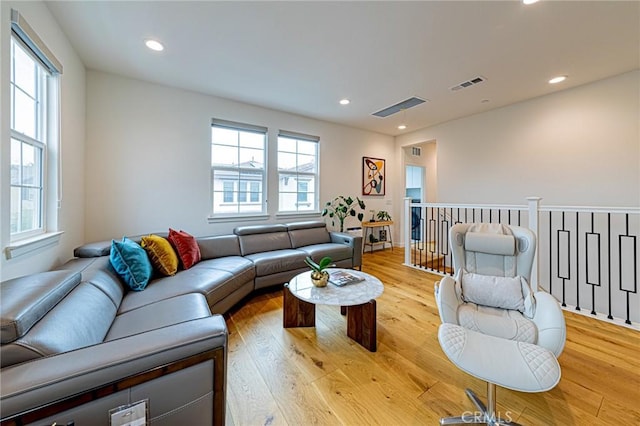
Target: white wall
578, 147
70, 215
148, 156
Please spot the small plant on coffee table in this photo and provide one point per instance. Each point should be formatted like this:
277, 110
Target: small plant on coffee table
319, 277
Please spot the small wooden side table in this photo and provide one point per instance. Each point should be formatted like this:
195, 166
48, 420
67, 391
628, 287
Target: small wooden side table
368, 231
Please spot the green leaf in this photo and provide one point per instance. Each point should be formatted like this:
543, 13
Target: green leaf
313, 265
324, 262
352, 212
360, 216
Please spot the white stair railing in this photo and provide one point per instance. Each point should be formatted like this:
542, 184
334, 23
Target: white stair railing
587, 257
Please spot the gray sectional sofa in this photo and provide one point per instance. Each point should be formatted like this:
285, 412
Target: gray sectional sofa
76, 342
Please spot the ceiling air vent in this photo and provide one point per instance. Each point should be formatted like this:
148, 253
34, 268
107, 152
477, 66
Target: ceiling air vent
468, 83
400, 106
415, 151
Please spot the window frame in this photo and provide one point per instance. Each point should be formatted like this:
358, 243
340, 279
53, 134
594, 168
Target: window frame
45, 111
217, 168
297, 174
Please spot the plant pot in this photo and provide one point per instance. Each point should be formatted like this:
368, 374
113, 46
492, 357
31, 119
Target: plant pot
319, 279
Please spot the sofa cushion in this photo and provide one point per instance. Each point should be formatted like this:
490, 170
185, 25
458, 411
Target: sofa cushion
214, 284
219, 246
131, 262
159, 314
275, 261
99, 272
236, 265
308, 236
163, 257
259, 229
335, 251
25, 300
186, 246
257, 239
96, 249
80, 319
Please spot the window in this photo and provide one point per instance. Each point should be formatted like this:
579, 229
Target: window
34, 124
298, 175
237, 168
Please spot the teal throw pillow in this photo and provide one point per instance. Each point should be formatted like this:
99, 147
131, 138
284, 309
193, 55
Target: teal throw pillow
131, 262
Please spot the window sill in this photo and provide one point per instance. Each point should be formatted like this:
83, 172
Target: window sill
298, 214
237, 218
28, 245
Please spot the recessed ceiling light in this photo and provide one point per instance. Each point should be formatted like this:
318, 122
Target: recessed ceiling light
402, 127
154, 45
558, 79
345, 101
529, 1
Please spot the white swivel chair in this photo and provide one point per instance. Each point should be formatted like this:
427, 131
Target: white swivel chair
495, 326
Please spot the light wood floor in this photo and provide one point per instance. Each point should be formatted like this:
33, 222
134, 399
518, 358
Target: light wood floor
320, 376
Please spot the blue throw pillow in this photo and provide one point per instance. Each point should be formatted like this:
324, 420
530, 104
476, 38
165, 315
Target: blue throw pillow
131, 262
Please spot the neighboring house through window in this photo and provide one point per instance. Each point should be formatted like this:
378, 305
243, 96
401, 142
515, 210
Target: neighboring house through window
237, 168
34, 129
298, 174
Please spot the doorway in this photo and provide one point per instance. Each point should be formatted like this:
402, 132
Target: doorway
420, 168
414, 189
414, 183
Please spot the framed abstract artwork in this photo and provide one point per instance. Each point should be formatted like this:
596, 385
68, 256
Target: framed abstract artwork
373, 176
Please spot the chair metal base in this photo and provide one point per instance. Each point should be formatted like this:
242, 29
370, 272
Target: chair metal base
485, 415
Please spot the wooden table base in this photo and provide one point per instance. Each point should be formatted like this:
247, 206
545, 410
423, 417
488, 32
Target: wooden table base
296, 312
361, 324
361, 319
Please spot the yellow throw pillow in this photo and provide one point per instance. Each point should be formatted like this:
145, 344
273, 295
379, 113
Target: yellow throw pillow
163, 257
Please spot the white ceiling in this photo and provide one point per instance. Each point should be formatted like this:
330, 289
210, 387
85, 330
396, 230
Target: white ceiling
303, 57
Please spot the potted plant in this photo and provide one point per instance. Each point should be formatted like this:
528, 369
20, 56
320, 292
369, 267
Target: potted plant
383, 216
319, 277
342, 207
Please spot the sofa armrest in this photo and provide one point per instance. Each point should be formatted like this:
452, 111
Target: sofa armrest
355, 242
36, 384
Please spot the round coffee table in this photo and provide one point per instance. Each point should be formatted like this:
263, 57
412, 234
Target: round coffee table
356, 300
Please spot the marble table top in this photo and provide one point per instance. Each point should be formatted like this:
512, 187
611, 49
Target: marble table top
348, 295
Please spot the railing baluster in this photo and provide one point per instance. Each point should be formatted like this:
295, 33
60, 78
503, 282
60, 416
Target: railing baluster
577, 262
550, 253
635, 265
589, 281
610, 316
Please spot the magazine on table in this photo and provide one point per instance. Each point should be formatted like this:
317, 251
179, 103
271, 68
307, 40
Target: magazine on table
341, 278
